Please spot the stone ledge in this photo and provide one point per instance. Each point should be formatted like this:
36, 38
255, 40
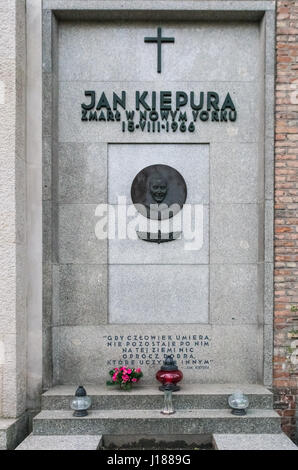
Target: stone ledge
193, 5
253, 442
186, 389
196, 421
57, 442
13, 431
163, 10
206, 396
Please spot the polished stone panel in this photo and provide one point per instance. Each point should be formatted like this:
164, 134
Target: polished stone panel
221, 353
234, 173
233, 294
234, 233
158, 294
82, 172
80, 294
243, 94
162, 289
191, 248
195, 50
77, 240
125, 162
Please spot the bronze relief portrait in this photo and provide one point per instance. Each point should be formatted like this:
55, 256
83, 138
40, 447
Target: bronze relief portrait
158, 191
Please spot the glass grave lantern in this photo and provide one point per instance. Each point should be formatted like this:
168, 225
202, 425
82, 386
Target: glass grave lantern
81, 402
169, 374
239, 403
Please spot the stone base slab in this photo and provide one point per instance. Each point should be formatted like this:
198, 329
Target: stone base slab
253, 442
144, 397
60, 443
13, 431
195, 421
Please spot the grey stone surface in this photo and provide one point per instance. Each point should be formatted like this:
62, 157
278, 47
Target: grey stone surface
268, 296
268, 354
6, 48
233, 233
261, 232
47, 18
78, 61
158, 16
238, 348
191, 248
269, 167
39, 185
87, 353
53, 250
141, 397
233, 294
77, 240
212, 7
82, 170
125, 161
79, 442
234, 173
80, 294
158, 294
152, 422
13, 244
47, 105
47, 169
270, 42
5, 424
269, 231
47, 231
47, 357
47, 299
269, 105
20, 202
253, 442
13, 431
243, 94
245, 129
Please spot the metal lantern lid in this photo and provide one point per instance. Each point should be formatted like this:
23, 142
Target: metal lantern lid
81, 392
169, 363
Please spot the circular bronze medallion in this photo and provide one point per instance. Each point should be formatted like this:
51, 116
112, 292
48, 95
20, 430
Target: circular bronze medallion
158, 192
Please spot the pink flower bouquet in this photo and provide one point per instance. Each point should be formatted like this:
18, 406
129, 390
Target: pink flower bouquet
125, 377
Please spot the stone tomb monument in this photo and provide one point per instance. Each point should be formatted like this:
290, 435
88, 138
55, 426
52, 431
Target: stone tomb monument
159, 108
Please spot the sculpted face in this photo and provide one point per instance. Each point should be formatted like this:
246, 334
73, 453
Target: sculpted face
158, 192
158, 187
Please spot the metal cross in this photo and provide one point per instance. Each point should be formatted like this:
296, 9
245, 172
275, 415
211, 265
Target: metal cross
159, 40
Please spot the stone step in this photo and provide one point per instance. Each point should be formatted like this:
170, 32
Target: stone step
253, 442
194, 421
205, 396
58, 442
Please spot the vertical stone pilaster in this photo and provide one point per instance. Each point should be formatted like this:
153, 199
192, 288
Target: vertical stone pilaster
12, 209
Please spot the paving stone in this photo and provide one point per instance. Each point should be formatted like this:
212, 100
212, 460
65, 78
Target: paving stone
80, 442
253, 442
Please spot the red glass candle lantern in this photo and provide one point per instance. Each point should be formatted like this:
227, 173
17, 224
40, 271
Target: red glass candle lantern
169, 374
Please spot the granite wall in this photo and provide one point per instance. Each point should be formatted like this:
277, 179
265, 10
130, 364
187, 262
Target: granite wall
99, 293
